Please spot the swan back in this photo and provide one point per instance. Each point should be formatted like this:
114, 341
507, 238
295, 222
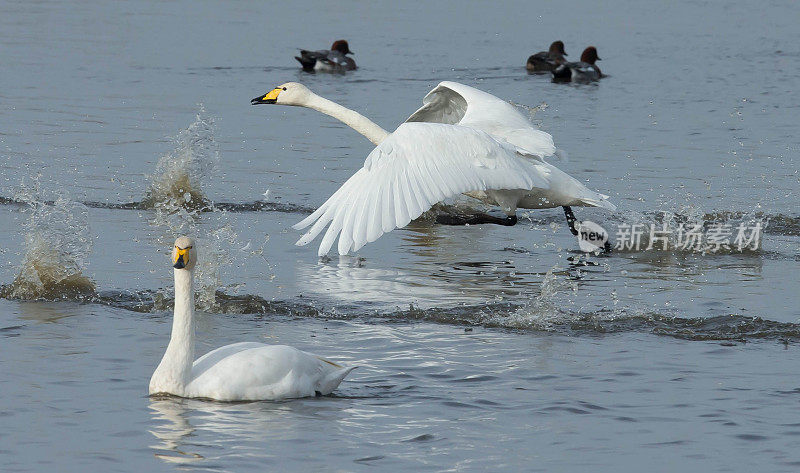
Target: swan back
253, 371
454, 103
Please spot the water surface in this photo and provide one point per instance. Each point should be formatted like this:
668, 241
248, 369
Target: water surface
479, 347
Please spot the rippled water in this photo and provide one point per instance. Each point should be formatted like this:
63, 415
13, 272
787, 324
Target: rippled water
480, 347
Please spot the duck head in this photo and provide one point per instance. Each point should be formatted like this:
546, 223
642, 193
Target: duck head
590, 55
558, 47
341, 46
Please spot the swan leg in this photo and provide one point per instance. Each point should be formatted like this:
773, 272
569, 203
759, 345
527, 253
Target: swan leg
571, 222
570, 219
475, 219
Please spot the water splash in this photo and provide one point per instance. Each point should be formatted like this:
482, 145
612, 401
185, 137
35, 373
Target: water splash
459, 206
543, 311
177, 195
213, 256
218, 250
531, 111
57, 243
180, 175
530, 317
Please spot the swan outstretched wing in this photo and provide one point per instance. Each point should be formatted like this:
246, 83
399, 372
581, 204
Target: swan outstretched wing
454, 103
417, 166
441, 105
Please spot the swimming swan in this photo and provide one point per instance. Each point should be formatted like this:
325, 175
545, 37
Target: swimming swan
462, 140
246, 371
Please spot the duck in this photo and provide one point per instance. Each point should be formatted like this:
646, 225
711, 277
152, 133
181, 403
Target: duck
246, 371
583, 71
461, 141
333, 60
546, 61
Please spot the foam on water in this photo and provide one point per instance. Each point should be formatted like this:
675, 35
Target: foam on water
57, 243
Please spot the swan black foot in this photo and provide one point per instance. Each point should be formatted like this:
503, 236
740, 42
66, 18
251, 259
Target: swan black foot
475, 219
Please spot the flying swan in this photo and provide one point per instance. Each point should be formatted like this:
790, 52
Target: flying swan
246, 371
461, 141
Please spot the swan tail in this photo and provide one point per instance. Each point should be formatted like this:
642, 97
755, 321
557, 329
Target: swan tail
600, 201
332, 381
576, 192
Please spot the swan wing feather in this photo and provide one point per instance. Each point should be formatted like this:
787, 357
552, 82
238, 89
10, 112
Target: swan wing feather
455, 103
415, 167
252, 371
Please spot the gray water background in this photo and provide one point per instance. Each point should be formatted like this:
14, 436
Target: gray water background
480, 348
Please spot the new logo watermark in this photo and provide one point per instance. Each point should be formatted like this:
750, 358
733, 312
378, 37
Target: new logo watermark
591, 236
699, 237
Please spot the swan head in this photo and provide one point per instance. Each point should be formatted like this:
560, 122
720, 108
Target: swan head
184, 255
290, 93
341, 46
590, 55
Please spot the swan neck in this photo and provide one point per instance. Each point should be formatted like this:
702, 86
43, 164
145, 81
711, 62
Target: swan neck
351, 118
174, 371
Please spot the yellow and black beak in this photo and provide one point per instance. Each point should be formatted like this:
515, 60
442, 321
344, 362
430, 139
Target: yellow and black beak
181, 257
270, 97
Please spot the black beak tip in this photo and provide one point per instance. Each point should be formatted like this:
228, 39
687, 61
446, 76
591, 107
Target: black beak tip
179, 264
260, 100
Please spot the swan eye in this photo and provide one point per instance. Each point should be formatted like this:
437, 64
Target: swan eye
284, 88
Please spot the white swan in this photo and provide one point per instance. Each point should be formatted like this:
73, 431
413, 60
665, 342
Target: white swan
468, 142
246, 371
